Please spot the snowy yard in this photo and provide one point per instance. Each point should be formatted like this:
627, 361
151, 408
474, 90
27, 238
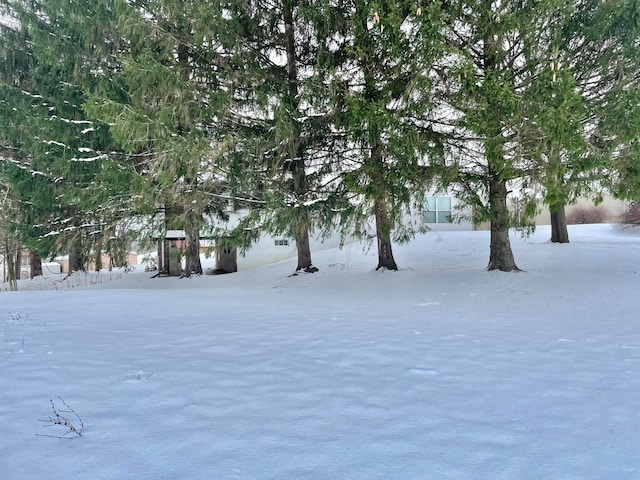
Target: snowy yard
439, 371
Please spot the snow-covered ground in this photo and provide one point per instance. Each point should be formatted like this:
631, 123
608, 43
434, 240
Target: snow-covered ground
440, 371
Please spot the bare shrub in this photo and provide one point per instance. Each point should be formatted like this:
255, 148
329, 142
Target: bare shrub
73, 426
591, 214
632, 215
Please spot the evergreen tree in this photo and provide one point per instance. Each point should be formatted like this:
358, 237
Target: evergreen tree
604, 53
285, 151
378, 64
9, 241
73, 183
171, 107
558, 144
493, 65
553, 133
534, 88
583, 110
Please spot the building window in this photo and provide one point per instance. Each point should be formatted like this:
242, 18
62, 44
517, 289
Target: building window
281, 242
437, 210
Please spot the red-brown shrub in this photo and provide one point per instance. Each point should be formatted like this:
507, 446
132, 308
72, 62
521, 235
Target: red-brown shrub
632, 215
591, 214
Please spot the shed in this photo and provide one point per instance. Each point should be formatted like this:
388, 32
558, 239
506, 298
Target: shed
169, 252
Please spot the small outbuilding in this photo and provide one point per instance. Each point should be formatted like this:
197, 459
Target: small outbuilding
170, 252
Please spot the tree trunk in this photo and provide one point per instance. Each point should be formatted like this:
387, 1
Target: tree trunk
10, 267
383, 233
301, 219
35, 263
296, 149
559, 231
173, 259
76, 260
501, 256
18, 264
304, 249
111, 248
98, 257
192, 240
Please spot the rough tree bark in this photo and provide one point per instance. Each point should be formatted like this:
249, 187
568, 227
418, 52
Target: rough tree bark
10, 266
76, 258
559, 230
501, 255
18, 260
97, 259
192, 240
301, 220
383, 233
304, 249
191, 248
35, 263
381, 214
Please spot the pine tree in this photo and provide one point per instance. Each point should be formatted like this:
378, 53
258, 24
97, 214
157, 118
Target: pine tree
553, 132
172, 108
286, 150
583, 109
378, 64
493, 63
605, 56
73, 183
9, 241
535, 88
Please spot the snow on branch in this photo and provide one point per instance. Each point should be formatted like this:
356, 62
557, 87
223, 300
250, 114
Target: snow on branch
32, 95
53, 142
88, 159
75, 122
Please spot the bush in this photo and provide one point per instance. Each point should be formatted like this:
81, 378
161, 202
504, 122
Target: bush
592, 214
632, 215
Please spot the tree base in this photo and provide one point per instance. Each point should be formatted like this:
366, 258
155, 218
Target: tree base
309, 269
384, 268
504, 268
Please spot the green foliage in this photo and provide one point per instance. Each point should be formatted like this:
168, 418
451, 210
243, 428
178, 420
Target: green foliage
63, 165
380, 85
599, 42
168, 106
310, 115
545, 96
